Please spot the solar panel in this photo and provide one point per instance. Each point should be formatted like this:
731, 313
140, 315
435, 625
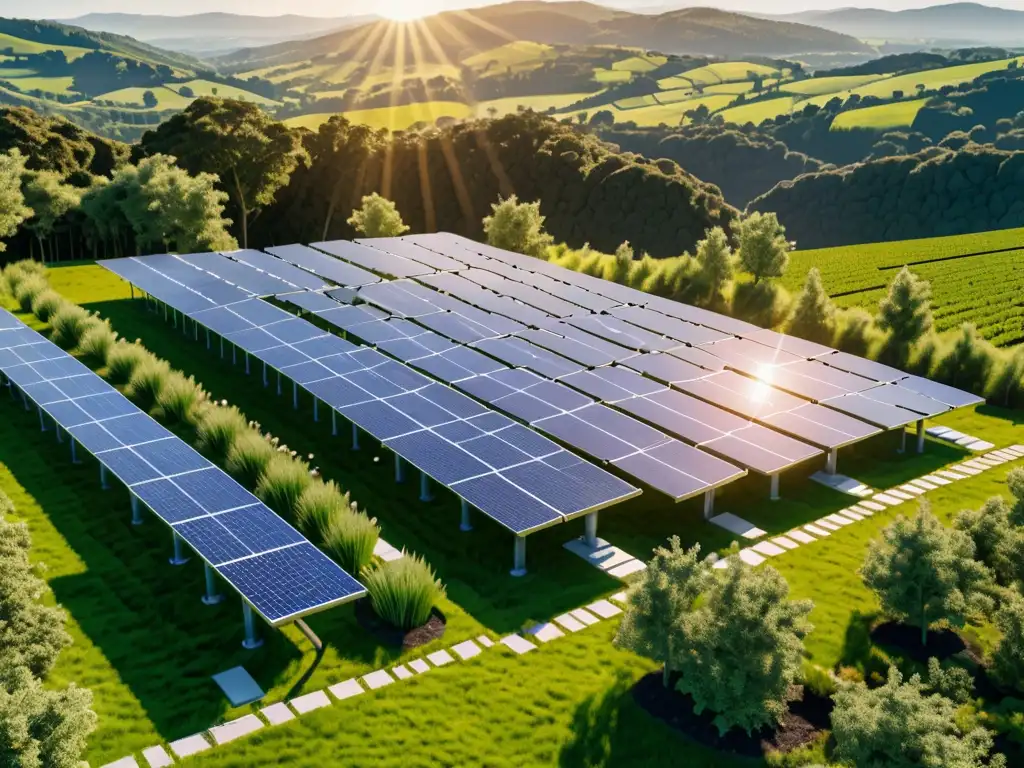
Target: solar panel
311, 302
761, 449
374, 260
567, 348
507, 503
866, 368
791, 344
524, 293
168, 501
673, 482
896, 394
585, 437
680, 330
391, 297
624, 427
413, 252
954, 398
736, 393
666, 368
673, 421
242, 275
323, 265
300, 278
821, 426
622, 333
872, 411
521, 353
258, 528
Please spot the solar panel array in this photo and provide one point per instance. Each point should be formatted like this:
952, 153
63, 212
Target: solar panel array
272, 566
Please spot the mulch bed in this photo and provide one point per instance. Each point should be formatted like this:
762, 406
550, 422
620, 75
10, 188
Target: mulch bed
801, 726
942, 643
390, 635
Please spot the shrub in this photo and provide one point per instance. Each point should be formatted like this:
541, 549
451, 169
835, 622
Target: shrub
96, 343
317, 505
818, 680
123, 359
955, 683
147, 382
1008, 657
282, 483
349, 538
248, 457
403, 591
69, 324
377, 217
14, 273
46, 304
179, 398
28, 289
218, 429
517, 227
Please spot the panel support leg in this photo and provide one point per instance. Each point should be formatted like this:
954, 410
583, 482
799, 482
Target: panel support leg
179, 556
136, 511
903, 441
334, 423
355, 437
266, 381
775, 488
709, 504
295, 396
212, 596
399, 470
103, 478
425, 494
42, 421
590, 530
316, 409
234, 355
221, 347
246, 363
208, 341
466, 525
251, 641
832, 461
59, 432
519, 568
920, 436
278, 383
74, 452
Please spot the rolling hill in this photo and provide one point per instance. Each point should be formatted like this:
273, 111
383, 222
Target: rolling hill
457, 34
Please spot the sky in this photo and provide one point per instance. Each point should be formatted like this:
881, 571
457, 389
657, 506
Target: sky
61, 9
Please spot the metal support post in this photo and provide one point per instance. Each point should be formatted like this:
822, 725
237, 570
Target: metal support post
246, 363
520, 557
179, 556
208, 342
425, 494
42, 421
709, 504
212, 596
334, 423
399, 470
355, 437
234, 355
278, 383
920, 436
903, 441
466, 525
136, 511
590, 535
316, 409
221, 347
251, 641
775, 488
832, 461
103, 478
266, 381
59, 432
74, 452
295, 396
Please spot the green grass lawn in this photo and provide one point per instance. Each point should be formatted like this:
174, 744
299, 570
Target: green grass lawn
671, 114
727, 71
393, 118
541, 103
644, 63
899, 114
759, 111
612, 76
146, 646
134, 97
207, 88
20, 45
819, 86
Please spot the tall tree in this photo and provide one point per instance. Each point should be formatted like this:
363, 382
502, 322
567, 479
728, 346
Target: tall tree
517, 227
898, 726
715, 259
1008, 657
377, 217
970, 361
764, 250
13, 210
50, 200
253, 154
924, 572
906, 314
814, 316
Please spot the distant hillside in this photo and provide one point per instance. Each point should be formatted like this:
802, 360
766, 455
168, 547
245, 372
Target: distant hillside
454, 35
958, 22
221, 33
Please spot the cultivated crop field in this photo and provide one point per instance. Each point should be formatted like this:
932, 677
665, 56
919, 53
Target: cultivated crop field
816, 86
983, 289
900, 114
759, 111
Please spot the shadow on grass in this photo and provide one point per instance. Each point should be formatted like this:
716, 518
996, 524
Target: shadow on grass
857, 643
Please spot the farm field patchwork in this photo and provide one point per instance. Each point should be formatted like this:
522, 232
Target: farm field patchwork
670, 114
207, 88
516, 54
644, 63
22, 46
536, 103
727, 71
31, 82
817, 86
759, 111
899, 114
931, 79
393, 118
134, 97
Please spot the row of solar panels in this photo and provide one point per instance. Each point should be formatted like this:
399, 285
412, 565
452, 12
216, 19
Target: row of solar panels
272, 566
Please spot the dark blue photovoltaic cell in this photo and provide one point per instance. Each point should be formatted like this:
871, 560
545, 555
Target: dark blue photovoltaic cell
44, 392
680, 424
568, 348
136, 428
341, 364
282, 357
709, 469
216, 491
457, 327
872, 411
16, 337
559, 490
436, 457
525, 407
307, 373
221, 320
68, 414
622, 333
420, 410
376, 385
442, 369
323, 265
485, 388
253, 340
83, 386
673, 482
527, 440
278, 268
410, 250
7, 320
512, 507
680, 330
171, 456
457, 431
621, 425
211, 540
585, 437
374, 260
33, 353
596, 486
259, 528
259, 312
490, 421
129, 467
897, 395
402, 376
325, 346
452, 401
168, 501
338, 393
665, 368
60, 368
8, 358
242, 275
380, 419
107, 406
286, 583
473, 361
311, 302
294, 331
494, 452
521, 353
516, 378
559, 395
23, 375
94, 438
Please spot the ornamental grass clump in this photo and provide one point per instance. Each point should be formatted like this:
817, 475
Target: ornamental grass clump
349, 538
28, 289
123, 360
403, 592
15, 273
96, 344
218, 429
282, 483
179, 399
147, 382
248, 457
69, 324
317, 505
45, 304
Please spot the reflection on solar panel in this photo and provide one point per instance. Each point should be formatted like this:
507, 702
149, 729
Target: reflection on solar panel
322, 265
268, 562
282, 269
375, 260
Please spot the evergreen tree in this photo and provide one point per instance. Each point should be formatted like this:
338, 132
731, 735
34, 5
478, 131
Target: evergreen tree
905, 313
715, 260
622, 263
1015, 482
517, 227
923, 572
998, 543
814, 316
13, 210
377, 217
1009, 377
969, 363
898, 726
1008, 657
764, 250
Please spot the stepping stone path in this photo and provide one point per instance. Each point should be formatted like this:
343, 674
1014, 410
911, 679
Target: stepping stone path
190, 745
310, 701
604, 609
235, 729
803, 538
386, 552
567, 621
816, 530
466, 650
440, 658
401, 672
839, 520
278, 713
785, 542
124, 762
827, 524
737, 525
849, 514
886, 499
485, 641
348, 689
545, 633
768, 548
581, 614
157, 756
377, 679
872, 506
419, 666
913, 490
518, 644
750, 557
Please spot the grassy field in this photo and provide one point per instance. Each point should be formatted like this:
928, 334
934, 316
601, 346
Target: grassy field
899, 114
932, 79
745, 86
20, 45
30, 82
206, 88
392, 118
146, 647
612, 76
982, 289
518, 54
670, 114
818, 86
758, 111
643, 63
133, 97
536, 103
728, 71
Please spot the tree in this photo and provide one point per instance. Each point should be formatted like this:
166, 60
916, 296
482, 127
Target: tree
743, 647
603, 117
664, 593
1008, 656
905, 313
253, 154
998, 543
898, 726
970, 361
764, 250
517, 227
377, 217
50, 200
149, 100
186, 92
923, 572
714, 256
13, 210
1015, 482
623, 263
814, 316
1009, 376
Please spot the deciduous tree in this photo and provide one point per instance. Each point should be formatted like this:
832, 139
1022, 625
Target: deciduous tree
13, 210
764, 250
1008, 657
517, 227
377, 217
814, 316
50, 200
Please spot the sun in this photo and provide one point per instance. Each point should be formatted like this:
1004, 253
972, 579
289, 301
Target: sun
404, 10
